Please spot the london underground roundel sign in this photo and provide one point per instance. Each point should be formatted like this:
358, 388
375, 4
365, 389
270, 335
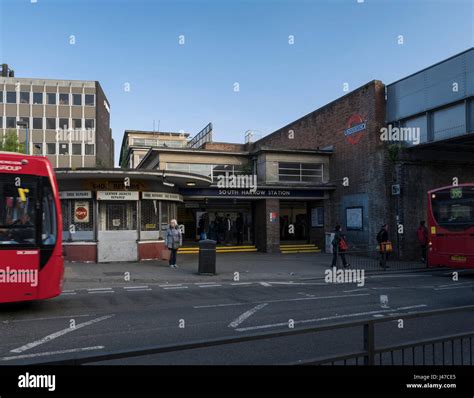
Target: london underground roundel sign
355, 129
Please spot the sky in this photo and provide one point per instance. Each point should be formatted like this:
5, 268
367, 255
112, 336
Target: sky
242, 65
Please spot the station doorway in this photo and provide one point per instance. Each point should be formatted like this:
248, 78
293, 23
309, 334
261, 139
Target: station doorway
294, 222
209, 217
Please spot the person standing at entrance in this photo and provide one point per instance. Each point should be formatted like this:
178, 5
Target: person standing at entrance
339, 247
382, 240
228, 229
239, 225
174, 240
422, 235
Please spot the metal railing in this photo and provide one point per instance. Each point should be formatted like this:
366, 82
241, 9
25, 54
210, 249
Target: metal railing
421, 352
370, 259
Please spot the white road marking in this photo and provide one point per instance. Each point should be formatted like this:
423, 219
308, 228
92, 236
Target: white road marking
454, 283
59, 334
247, 314
204, 283
43, 354
101, 291
453, 287
68, 294
139, 290
266, 284
242, 283
209, 285
175, 287
325, 318
171, 284
135, 287
355, 290
282, 300
46, 319
99, 288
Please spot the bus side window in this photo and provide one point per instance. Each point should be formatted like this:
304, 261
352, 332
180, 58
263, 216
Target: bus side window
49, 222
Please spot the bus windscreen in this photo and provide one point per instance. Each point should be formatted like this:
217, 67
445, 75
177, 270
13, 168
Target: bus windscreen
18, 210
453, 208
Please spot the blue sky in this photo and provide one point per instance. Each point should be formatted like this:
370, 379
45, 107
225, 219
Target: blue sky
228, 41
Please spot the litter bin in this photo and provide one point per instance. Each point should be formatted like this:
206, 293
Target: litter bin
207, 257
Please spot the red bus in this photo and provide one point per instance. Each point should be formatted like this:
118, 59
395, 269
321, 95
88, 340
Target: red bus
451, 226
31, 261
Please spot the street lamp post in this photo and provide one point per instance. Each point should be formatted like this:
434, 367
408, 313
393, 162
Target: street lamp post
25, 124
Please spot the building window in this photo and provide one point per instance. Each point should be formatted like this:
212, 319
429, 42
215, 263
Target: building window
77, 123
11, 123
64, 149
1, 97
77, 99
24, 97
64, 124
77, 149
51, 98
1, 122
89, 123
38, 123
84, 225
300, 172
89, 149
63, 99
24, 119
38, 148
89, 99
11, 97
51, 123
38, 98
51, 149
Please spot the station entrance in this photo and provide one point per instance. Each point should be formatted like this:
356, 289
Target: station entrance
209, 219
294, 222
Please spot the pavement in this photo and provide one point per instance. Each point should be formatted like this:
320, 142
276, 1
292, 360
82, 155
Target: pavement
230, 267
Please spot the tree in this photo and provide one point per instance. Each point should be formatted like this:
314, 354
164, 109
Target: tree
9, 142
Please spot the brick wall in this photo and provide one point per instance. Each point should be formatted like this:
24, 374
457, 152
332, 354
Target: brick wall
104, 142
365, 163
267, 236
224, 146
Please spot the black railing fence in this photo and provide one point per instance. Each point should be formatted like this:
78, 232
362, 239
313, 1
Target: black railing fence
454, 349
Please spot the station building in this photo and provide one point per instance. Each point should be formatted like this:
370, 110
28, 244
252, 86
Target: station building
336, 165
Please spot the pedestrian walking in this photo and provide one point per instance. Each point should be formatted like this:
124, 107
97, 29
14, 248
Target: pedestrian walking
174, 240
422, 235
339, 247
384, 245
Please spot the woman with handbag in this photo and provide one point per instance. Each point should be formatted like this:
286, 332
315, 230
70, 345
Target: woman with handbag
174, 240
339, 246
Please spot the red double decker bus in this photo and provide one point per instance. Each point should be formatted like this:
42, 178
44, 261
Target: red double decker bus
31, 261
451, 226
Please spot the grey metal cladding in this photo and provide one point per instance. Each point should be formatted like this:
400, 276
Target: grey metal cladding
432, 87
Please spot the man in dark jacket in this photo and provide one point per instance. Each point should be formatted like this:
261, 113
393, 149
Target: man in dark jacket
338, 236
422, 235
382, 237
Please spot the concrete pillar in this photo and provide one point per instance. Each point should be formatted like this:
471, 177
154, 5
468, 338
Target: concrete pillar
267, 227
